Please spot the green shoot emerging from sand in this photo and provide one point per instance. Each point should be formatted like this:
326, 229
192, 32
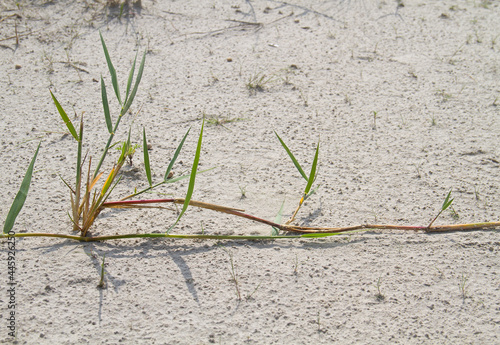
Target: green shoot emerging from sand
310, 179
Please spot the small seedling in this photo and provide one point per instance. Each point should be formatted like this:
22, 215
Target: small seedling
374, 127
250, 296
417, 167
445, 97
454, 213
463, 286
257, 82
102, 284
243, 191
476, 193
232, 271
379, 295
447, 202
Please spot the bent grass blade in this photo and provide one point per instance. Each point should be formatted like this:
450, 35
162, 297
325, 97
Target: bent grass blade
20, 198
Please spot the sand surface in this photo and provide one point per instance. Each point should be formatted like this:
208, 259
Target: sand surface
429, 69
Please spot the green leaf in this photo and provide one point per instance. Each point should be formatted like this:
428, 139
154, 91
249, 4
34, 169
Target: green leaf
20, 198
192, 178
297, 165
105, 105
130, 78
447, 202
136, 86
112, 70
146, 158
65, 117
176, 154
275, 231
312, 175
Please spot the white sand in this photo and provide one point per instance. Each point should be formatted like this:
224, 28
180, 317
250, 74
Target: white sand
431, 71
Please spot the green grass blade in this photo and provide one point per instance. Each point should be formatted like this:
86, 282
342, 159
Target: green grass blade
275, 231
20, 198
176, 154
112, 70
65, 117
130, 78
136, 85
192, 178
105, 105
312, 175
297, 165
447, 202
146, 157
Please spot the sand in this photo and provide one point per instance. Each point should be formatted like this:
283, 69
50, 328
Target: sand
404, 98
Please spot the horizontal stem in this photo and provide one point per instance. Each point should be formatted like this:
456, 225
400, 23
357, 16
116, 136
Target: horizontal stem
305, 229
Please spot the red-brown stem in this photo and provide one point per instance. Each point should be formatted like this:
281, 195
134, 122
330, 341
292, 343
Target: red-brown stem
303, 229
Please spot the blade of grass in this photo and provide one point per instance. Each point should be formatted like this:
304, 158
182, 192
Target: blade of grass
112, 70
136, 85
447, 202
130, 78
312, 175
146, 157
65, 117
176, 154
297, 165
192, 178
20, 198
275, 231
105, 105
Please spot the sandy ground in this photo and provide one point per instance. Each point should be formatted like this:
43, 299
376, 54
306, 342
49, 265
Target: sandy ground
429, 69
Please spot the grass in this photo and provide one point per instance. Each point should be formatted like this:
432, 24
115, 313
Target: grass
380, 296
258, 82
463, 286
92, 186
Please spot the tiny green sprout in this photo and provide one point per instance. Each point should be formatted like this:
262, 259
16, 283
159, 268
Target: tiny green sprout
374, 127
463, 286
447, 202
380, 296
243, 191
